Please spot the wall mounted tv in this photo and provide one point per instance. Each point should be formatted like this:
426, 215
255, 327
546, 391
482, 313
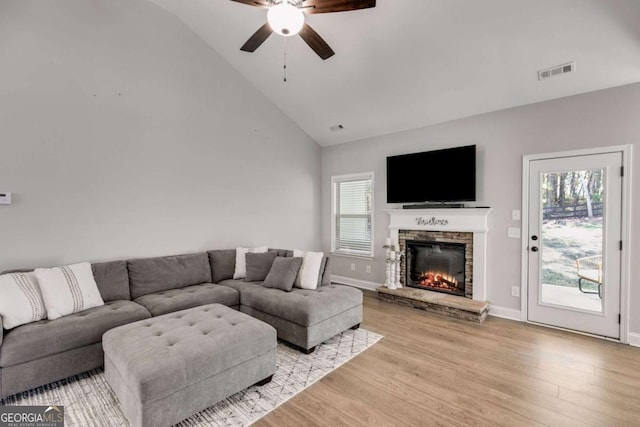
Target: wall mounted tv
447, 175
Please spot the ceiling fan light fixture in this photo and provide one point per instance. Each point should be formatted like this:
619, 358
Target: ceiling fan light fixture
285, 19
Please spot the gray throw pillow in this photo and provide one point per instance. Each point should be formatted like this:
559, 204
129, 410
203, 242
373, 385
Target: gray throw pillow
326, 272
258, 265
283, 273
324, 278
223, 264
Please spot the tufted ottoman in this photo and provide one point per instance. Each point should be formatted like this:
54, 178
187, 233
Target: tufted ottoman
169, 367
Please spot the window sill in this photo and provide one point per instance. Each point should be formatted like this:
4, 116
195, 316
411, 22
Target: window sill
346, 255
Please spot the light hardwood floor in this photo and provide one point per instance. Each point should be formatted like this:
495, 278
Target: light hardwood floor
432, 370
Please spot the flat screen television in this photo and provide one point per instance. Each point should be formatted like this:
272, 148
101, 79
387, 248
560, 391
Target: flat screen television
447, 175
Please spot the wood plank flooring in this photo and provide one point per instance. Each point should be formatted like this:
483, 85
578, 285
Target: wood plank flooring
431, 370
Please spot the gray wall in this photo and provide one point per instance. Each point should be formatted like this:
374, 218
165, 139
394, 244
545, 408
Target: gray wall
123, 134
598, 119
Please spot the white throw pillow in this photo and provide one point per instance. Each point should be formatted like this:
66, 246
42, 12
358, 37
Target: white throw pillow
310, 269
20, 300
68, 289
241, 260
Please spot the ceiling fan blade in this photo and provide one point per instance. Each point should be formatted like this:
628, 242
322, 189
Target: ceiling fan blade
257, 38
256, 3
328, 6
316, 42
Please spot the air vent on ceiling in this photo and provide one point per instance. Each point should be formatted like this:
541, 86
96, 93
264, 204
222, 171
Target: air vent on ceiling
558, 70
336, 128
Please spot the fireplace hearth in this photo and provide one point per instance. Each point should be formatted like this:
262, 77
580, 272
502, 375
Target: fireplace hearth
436, 266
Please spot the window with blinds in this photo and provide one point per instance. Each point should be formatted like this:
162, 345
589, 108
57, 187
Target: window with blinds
352, 222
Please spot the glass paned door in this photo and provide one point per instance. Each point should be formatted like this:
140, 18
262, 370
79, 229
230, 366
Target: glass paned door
573, 247
571, 238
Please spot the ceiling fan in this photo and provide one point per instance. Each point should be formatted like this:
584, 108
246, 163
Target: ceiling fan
286, 17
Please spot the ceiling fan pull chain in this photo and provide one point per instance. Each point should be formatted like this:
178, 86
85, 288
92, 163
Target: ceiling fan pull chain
284, 71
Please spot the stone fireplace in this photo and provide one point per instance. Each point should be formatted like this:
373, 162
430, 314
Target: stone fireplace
435, 266
429, 254
433, 230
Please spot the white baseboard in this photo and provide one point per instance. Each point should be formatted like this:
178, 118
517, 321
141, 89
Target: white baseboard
634, 339
505, 313
356, 283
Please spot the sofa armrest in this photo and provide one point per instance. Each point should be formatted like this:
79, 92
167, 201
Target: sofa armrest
1, 330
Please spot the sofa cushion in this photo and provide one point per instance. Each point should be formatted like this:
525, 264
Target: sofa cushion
258, 265
302, 306
112, 279
283, 273
239, 284
223, 264
47, 337
151, 275
191, 296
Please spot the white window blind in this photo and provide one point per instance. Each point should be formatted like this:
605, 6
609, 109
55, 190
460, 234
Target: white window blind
352, 231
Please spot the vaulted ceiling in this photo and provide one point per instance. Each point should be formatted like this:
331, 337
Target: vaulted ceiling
410, 63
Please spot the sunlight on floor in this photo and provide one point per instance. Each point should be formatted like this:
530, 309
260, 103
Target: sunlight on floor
570, 297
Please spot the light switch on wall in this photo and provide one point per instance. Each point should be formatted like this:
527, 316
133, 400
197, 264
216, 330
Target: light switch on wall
515, 215
513, 232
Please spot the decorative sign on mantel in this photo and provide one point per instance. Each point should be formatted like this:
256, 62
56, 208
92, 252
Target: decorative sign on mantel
431, 221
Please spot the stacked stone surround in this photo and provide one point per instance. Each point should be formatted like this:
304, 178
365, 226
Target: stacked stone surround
445, 237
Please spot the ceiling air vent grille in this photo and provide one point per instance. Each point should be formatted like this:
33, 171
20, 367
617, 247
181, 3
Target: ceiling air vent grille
558, 70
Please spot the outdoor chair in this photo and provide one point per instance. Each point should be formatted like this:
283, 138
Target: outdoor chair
590, 268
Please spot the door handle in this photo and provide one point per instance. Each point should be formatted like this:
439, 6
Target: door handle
534, 249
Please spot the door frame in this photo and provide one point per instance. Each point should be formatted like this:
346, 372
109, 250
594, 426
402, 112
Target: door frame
625, 231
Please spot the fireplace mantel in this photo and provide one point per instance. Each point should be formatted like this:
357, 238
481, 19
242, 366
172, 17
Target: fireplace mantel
457, 219
474, 220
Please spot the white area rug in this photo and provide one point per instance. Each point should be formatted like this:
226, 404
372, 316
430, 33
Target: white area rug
89, 401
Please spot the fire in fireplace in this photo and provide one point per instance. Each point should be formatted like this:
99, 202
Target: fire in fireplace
435, 266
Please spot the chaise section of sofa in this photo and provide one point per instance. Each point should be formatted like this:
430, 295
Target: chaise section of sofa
49, 350
302, 317
172, 283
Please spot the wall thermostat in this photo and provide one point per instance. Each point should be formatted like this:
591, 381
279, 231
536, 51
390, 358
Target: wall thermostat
5, 198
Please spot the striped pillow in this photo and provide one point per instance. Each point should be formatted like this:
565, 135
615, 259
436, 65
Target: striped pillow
68, 289
20, 300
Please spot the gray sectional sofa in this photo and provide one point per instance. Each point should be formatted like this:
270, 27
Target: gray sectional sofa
45, 351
